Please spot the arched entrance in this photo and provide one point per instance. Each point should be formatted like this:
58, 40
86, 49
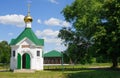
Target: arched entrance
26, 61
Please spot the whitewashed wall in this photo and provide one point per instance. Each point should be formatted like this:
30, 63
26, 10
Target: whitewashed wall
36, 61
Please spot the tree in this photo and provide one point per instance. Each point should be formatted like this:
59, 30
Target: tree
107, 35
77, 45
79, 37
96, 22
4, 52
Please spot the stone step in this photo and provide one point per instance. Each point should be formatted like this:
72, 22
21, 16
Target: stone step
24, 71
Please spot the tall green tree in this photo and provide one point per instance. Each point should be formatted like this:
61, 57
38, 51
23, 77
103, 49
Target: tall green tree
107, 36
97, 23
78, 38
4, 52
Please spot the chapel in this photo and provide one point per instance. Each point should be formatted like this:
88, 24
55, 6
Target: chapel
27, 49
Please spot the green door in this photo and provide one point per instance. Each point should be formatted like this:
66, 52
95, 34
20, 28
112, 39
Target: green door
18, 61
27, 61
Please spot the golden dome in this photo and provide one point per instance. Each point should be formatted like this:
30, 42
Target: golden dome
28, 18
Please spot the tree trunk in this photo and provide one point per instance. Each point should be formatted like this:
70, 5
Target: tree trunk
115, 62
71, 62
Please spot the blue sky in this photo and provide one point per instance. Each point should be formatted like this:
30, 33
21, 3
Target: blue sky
47, 20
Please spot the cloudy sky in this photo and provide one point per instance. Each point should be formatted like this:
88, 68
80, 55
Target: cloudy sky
47, 20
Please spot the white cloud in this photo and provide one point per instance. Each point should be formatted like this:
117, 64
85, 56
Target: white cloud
10, 34
39, 21
54, 1
66, 24
49, 35
56, 22
51, 39
53, 21
60, 48
13, 19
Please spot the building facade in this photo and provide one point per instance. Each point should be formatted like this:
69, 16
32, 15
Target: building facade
27, 49
53, 57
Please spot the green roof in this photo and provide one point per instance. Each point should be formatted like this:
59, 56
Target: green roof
30, 35
53, 53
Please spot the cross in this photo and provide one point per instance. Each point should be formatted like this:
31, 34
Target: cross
28, 9
29, 1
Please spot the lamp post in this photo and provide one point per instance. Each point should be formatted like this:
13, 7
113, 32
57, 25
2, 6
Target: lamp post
62, 63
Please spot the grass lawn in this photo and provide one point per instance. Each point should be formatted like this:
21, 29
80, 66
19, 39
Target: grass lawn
70, 71
40, 74
95, 74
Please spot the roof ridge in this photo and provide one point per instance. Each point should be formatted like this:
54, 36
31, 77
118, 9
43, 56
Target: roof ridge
27, 32
53, 53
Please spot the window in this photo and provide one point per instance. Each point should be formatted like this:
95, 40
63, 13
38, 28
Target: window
38, 53
14, 53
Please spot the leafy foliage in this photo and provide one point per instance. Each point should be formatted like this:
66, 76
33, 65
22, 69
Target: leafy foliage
4, 52
79, 37
95, 26
107, 36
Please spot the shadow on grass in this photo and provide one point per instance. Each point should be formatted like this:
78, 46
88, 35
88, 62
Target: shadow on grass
5, 70
79, 69
94, 74
90, 72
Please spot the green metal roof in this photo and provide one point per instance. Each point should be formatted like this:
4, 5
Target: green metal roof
53, 53
30, 35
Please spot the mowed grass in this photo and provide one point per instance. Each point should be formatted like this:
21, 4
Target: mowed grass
40, 74
95, 74
69, 71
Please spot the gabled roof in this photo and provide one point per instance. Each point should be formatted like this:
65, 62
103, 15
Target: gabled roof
53, 53
28, 33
